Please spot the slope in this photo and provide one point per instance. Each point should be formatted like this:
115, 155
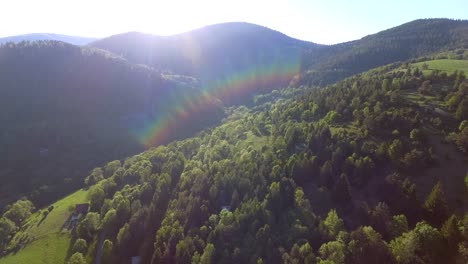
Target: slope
217, 52
218, 55
66, 109
411, 40
346, 174
42, 239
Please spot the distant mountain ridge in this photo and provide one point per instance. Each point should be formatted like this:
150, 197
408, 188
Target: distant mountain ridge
228, 39
228, 47
75, 40
214, 54
414, 39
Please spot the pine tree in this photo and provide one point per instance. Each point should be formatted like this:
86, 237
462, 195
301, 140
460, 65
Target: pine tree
451, 232
341, 193
436, 205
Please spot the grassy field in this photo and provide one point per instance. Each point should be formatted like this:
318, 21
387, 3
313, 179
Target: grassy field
55, 219
49, 244
445, 65
51, 248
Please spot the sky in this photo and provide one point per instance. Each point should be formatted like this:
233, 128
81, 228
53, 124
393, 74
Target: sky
320, 21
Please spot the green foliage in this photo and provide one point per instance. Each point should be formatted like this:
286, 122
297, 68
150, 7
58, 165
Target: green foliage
332, 117
332, 225
404, 247
110, 222
7, 228
89, 226
451, 233
462, 110
260, 187
19, 211
107, 247
80, 246
63, 133
398, 226
366, 246
77, 258
333, 252
95, 177
436, 205
463, 124
466, 182
424, 244
395, 150
111, 168
417, 135
96, 197
208, 254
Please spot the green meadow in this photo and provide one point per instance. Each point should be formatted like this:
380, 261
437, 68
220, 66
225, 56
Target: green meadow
445, 65
48, 243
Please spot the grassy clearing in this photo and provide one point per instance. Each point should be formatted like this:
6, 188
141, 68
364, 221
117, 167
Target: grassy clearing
54, 221
49, 244
50, 248
253, 141
445, 65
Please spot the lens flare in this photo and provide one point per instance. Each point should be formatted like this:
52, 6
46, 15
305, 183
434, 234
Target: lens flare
258, 78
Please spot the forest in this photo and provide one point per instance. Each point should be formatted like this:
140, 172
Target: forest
370, 169
307, 175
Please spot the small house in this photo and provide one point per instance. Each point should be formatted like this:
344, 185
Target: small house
81, 209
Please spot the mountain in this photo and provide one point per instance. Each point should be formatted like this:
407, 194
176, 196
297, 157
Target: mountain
215, 54
411, 40
369, 169
220, 56
75, 40
66, 109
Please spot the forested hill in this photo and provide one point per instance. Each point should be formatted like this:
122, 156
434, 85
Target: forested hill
411, 40
371, 169
57, 98
258, 57
66, 109
75, 40
216, 52
219, 48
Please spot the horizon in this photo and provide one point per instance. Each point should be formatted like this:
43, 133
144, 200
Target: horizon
320, 22
226, 22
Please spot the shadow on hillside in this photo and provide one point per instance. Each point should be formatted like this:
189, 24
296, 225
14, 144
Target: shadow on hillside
44, 216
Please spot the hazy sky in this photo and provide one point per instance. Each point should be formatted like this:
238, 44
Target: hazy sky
321, 21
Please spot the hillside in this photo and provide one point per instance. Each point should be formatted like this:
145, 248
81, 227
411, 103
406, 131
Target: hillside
75, 40
66, 109
243, 57
64, 119
368, 170
411, 40
217, 52
372, 168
